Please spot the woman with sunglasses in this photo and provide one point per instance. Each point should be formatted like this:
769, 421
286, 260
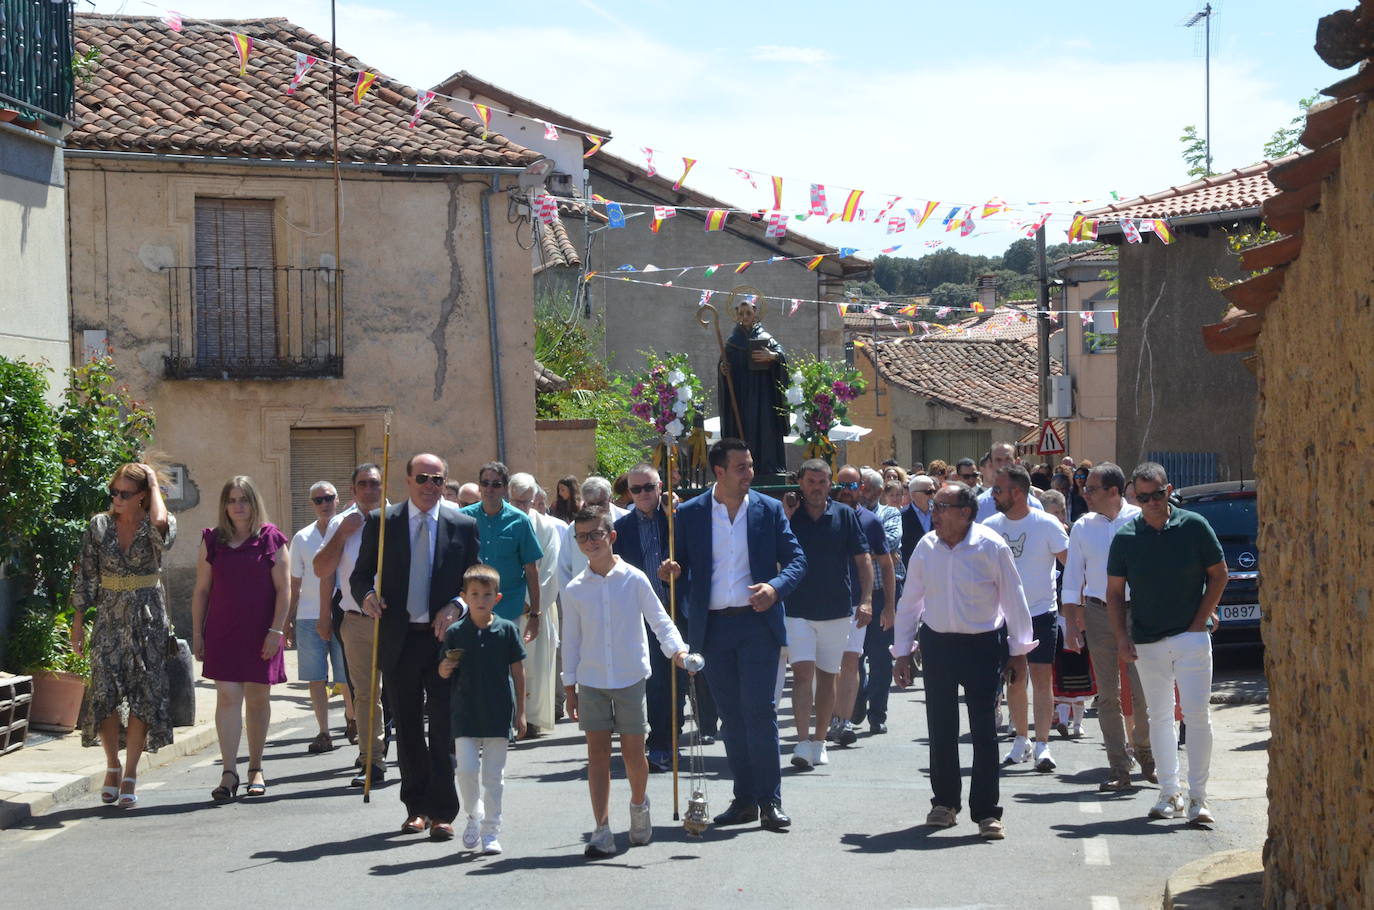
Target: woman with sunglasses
1078, 505
120, 577
238, 616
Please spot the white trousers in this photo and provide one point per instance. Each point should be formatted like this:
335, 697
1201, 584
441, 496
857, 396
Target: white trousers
481, 759
541, 677
1186, 660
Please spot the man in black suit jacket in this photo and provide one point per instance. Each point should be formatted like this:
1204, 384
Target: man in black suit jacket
407, 649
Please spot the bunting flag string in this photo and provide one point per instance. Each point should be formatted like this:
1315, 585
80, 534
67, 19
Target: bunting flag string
243, 46
796, 305
303, 64
648, 160
896, 224
364, 83
739, 269
850, 212
422, 101
715, 219
546, 209
616, 218
1132, 232
777, 226
1082, 228
711, 270
484, 115
815, 262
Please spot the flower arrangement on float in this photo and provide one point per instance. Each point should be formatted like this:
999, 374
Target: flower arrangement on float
667, 397
818, 399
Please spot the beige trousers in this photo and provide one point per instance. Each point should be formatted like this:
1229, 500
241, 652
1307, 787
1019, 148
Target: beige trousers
356, 631
1106, 668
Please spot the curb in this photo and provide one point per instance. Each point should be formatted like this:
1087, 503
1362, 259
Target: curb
1230, 880
1240, 698
17, 810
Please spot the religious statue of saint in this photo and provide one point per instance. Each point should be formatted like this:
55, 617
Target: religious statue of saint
754, 366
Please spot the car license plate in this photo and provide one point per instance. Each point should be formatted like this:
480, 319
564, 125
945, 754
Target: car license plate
1239, 612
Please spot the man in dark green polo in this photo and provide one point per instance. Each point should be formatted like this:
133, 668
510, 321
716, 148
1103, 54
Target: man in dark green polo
1176, 570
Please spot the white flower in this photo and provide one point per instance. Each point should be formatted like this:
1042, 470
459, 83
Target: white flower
797, 378
684, 393
798, 422
677, 377
674, 429
794, 395
679, 408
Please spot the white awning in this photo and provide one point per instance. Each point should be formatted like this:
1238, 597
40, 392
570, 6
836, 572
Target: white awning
840, 433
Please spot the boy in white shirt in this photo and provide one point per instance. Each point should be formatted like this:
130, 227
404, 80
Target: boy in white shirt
605, 667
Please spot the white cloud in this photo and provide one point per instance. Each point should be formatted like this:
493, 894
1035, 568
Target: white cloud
777, 53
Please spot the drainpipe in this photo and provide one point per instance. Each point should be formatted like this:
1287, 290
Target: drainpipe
492, 330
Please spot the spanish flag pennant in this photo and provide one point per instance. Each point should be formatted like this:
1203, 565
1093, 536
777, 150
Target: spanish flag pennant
711, 270
596, 145
303, 64
814, 262
909, 310
1131, 230
715, 219
925, 214
484, 115
657, 223
993, 206
1024, 318
1082, 228
842, 307
686, 169
978, 307
423, 99
851, 206
364, 83
243, 46
1162, 230
742, 266
597, 197
777, 193
910, 329
1116, 320
588, 276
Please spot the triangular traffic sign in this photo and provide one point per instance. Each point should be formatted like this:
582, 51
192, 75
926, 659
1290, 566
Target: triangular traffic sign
1050, 443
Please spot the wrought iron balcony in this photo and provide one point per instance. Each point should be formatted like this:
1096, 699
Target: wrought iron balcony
246, 322
36, 56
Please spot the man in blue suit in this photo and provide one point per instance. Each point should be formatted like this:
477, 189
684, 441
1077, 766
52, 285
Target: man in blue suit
740, 558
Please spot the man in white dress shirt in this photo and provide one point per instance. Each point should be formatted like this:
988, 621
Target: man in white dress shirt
1085, 611
963, 598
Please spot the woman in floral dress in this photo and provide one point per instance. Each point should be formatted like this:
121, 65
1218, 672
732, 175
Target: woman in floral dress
120, 576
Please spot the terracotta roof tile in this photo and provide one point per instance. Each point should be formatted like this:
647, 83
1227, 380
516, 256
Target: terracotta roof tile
1234, 191
156, 90
986, 377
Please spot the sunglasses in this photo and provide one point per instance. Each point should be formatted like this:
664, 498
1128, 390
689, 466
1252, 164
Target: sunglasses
436, 479
848, 485
321, 500
491, 484
930, 492
638, 488
125, 494
584, 536
1156, 496
968, 477
941, 506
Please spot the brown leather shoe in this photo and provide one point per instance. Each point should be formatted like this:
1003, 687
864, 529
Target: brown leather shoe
415, 824
1115, 783
1147, 771
440, 831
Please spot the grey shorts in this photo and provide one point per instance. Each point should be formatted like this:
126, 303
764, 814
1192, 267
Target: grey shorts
620, 710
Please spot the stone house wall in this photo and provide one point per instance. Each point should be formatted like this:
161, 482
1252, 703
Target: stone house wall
1315, 422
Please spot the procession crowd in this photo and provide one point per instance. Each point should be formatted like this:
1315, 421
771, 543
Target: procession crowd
492, 610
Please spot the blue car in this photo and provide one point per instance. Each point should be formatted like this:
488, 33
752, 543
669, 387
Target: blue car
1229, 508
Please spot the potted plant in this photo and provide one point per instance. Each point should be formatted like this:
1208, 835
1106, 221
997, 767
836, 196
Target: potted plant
40, 647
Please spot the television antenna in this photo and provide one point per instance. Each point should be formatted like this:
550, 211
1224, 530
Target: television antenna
1204, 18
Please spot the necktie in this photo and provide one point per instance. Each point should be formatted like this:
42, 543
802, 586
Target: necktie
417, 594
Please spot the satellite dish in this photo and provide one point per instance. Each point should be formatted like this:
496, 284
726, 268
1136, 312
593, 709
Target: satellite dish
534, 175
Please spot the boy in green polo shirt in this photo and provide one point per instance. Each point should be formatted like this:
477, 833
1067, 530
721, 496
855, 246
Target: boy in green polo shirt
482, 655
1176, 570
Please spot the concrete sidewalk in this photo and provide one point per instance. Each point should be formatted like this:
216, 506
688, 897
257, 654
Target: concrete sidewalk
1230, 880
52, 769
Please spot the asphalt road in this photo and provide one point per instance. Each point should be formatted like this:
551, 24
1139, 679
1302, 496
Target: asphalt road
855, 839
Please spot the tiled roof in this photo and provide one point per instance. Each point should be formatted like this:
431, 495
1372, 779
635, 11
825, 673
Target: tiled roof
1234, 191
996, 379
1343, 39
555, 246
464, 84
156, 90
1090, 255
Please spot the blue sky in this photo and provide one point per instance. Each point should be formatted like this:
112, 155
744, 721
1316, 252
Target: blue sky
953, 102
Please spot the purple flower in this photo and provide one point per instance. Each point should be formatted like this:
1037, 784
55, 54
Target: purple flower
637, 390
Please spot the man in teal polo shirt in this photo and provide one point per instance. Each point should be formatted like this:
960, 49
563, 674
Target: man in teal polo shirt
1176, 570
509, 546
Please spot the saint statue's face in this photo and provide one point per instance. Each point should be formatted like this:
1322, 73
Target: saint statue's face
746, 314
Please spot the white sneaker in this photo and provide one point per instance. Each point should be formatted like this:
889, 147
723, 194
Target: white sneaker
1043, 760
1199, 813
470, 839
818, 753
601, 843
641, 829
1168, 806
490, 845
801, 754
1020, 751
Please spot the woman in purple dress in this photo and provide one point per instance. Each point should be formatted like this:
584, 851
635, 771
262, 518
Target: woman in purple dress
237, 612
